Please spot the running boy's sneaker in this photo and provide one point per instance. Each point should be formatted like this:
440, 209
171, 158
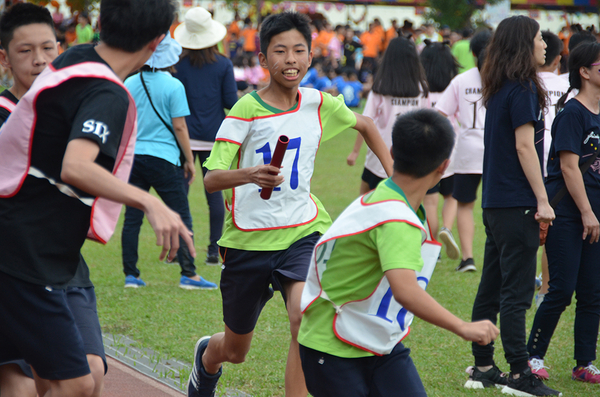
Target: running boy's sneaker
133, 282
467, 265
190, 283
528, 385
481, 380
537, 367
201, 384
450, 245
589, 374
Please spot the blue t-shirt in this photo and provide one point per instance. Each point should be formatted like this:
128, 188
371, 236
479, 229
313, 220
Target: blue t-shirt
576, 130
310, 78
168, 97
504, 182
351, 91
337, 81
322, 83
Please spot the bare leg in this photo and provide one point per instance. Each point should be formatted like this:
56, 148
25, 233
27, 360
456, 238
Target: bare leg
76, 387
14, 383
466, 228
97, 367
295, 385
226, 347
449, 211
364, 187
545, 274
431, 208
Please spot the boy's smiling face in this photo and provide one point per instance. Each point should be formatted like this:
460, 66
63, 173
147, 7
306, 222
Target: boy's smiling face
288, 58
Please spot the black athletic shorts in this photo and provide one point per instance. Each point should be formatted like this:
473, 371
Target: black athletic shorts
247, 278
372, 179
444, 187
39, 327
465, 187
393, 374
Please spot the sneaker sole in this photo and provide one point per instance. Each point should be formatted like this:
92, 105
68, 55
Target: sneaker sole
514, 392
468, 268
475, 384
450, 245
194, 366
191, 287
133, 286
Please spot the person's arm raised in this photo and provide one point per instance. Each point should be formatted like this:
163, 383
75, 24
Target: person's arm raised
525, 145
368, 130
410, 295
80, 170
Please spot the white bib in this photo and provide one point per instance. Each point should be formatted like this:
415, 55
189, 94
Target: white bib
378, 323
291, 204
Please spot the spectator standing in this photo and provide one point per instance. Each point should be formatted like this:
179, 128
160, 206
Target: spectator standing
462, 52
248, 37
84, 31
210, 87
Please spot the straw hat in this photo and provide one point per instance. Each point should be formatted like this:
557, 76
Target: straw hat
199, 30
166, 54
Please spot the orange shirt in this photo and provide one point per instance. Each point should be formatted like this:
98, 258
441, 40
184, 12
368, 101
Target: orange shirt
322, 41
380, 32
371, 43
234, 28
389, 35
249, 35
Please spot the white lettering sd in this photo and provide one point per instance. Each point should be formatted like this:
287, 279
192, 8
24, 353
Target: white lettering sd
97, 128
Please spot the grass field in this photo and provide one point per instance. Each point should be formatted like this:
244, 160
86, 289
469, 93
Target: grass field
170, 320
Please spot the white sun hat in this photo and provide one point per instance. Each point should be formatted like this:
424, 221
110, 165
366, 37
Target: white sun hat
199, 30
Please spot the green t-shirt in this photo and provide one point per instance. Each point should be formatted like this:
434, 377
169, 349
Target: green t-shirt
85, 34
350, 274
335, 118
462, 52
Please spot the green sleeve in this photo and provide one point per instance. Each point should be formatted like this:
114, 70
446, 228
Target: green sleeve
398, 245
335, 116
222, 156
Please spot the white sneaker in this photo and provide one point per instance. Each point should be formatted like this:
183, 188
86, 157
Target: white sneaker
452, 249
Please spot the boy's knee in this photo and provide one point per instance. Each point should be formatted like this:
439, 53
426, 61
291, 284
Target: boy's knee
97, 368
78, 387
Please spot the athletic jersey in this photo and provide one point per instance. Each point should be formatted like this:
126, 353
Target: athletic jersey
576, 130
8, 102
462, 99
44, 222
504, 182
362, 245
247, 138
555, 87
351, 91
82, 275
384, 110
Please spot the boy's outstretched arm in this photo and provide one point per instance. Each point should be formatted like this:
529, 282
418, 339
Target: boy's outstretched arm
415, 299
80, 170
265, 176
367, 128
351, 159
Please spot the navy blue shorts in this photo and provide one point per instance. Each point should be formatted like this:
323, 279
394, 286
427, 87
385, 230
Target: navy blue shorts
249, 278
465, 187
444, 187
82, 302
39, 327
393, 374
371, 179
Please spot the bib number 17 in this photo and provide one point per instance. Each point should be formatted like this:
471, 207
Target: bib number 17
294, 144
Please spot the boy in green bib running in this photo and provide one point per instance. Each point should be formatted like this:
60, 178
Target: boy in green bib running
369, 272
270, 242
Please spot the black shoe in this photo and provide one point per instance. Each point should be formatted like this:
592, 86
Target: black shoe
466, 265
200, 383
528, 385
490, 378
212, 260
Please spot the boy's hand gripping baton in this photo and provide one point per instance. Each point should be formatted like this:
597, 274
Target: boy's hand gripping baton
276, 161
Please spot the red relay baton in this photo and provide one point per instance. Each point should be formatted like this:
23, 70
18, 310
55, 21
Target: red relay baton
276, 161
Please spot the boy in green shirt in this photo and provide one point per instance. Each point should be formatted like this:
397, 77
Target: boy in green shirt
370, 269
269, 242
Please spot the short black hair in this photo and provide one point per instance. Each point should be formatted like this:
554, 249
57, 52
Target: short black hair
583, 36
421, 141
131, 24
480, 41
22, 14
554, 46
279, 23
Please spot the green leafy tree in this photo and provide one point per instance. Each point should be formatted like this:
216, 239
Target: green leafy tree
454, 13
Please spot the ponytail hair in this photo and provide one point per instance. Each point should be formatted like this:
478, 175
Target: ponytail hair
582, 56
